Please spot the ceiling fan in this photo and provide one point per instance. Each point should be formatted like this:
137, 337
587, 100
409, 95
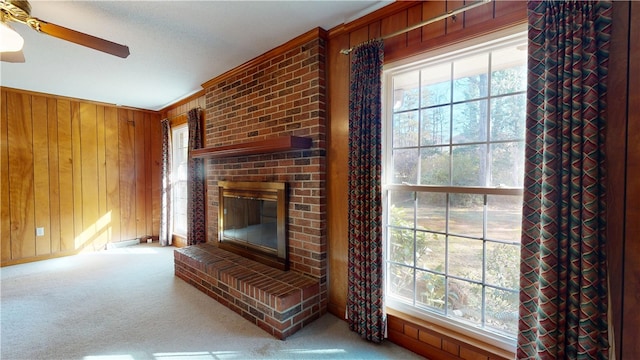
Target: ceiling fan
20, 11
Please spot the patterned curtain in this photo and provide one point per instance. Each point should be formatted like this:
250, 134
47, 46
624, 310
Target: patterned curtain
364, 298
166, 222
563, 282
196, 222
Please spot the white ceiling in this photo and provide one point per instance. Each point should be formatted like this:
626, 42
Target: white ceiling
175, 45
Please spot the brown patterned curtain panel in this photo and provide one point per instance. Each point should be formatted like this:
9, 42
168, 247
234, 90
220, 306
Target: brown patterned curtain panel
166, 222
563, 277
196, 222
364, 299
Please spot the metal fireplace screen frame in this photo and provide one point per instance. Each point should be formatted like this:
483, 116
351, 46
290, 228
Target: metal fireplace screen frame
252, 221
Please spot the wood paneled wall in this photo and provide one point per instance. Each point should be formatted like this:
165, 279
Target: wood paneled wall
623, 178
177, 113
87, 173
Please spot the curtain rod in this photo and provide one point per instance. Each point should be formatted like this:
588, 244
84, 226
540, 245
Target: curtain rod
451, 13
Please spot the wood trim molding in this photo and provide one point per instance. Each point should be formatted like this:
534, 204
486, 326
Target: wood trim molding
283, 143
298, 41
177, 120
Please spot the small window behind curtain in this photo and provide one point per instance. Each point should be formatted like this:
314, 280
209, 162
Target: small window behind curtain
180, 136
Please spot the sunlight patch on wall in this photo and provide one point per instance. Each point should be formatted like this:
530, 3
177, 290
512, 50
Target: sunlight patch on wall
95, 233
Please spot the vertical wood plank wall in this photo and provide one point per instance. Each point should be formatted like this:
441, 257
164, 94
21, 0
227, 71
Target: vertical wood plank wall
630, 346
87, 173
623, 178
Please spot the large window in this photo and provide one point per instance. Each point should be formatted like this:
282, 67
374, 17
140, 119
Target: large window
453, 177
180, 153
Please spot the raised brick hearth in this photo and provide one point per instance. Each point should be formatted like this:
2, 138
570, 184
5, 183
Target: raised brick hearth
280, 302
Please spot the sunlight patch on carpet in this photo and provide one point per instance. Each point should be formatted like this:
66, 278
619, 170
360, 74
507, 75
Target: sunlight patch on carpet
198, 355
135, 250
316, 351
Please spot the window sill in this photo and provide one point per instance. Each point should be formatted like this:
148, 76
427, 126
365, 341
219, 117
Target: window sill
442, 338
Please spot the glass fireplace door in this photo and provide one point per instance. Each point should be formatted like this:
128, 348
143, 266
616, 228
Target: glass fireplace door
251, 221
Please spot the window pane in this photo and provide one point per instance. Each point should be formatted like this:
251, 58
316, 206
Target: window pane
465, 300
507, 117
502, 310
466, 214
507, 164
179, 207
436, 85
465, 258
405, 166
400, 281
432, 211
401, 205
469, 122
469, 165
435, 126
180, 140
504, 214
471, 77
430, 251
435, 165
430, 290
508, 81
405, 129
503, 265
401, 246
508, 67
405, 91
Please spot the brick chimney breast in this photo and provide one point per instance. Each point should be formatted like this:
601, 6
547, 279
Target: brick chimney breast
280, 93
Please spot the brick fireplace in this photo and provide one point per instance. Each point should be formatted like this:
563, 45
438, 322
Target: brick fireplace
281, 93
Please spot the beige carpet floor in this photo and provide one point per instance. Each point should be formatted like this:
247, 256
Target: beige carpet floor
126, 304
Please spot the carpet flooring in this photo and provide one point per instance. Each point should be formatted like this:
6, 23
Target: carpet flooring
126, 304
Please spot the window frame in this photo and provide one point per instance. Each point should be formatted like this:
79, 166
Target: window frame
505, 37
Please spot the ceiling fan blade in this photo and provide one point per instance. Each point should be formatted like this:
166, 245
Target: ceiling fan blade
12, 56
83, 39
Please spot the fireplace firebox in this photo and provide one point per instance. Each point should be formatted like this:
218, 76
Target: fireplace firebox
252, 221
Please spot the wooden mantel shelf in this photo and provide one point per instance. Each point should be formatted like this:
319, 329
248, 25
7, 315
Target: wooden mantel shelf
283, 143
